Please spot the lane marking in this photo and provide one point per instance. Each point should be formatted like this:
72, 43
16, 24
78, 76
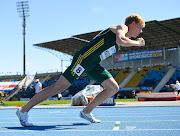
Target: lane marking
109, 113
116, 126
57, 112
19, 131
130, 128
47, 116
50, 122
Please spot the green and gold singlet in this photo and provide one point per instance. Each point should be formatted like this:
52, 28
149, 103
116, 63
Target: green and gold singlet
88, 57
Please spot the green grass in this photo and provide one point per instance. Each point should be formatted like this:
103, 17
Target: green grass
20, 103
126, 100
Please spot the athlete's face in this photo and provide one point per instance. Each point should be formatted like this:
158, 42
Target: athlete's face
136, 29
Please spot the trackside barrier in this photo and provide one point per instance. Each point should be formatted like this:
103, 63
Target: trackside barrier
161, 96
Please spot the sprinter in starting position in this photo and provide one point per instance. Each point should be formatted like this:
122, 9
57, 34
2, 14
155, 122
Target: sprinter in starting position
87, 60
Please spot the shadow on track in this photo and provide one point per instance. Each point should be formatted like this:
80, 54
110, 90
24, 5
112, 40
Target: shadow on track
47, 128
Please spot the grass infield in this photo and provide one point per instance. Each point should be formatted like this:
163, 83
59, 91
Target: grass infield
20, 103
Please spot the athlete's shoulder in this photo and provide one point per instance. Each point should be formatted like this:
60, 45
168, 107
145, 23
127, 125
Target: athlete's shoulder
116, 28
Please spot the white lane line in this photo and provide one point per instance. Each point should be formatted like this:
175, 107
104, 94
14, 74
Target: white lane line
130, 128
50, 122
115, 114
100, 116
18, 131
116, 126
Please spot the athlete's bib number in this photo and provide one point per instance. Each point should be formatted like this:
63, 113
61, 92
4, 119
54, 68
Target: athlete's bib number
108, 53
78, 70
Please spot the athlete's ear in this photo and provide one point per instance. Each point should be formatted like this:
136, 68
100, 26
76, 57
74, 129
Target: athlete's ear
133, 23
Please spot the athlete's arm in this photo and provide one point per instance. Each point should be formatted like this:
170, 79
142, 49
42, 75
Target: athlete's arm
124, 41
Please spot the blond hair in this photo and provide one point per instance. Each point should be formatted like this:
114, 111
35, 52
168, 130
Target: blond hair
136, 18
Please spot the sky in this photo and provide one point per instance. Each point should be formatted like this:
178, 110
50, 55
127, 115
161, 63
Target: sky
51, 20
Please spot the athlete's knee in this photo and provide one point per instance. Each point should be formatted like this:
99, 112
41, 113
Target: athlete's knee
111, 84
113, 87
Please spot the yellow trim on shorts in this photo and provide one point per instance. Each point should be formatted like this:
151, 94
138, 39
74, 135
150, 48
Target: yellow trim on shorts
87, 53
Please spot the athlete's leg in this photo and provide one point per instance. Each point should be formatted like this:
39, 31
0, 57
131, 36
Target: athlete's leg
110, 88
58, 87
64, 82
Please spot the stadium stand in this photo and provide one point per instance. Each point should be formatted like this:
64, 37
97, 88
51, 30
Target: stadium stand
154, 76
176, 76
114, 72
122, 75
135, 80
147, 76
10, 78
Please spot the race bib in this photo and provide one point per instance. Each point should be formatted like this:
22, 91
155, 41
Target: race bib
78, 70
107, 53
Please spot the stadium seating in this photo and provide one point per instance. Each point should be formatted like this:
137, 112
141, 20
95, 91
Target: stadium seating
176, 76
154, 76
135, 80
10, 79
114, 72
147, 76
122, 75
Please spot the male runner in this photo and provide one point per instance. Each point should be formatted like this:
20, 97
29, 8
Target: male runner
87, 60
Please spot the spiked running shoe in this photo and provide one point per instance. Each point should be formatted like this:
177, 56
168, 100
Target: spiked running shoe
89, 117
23, 118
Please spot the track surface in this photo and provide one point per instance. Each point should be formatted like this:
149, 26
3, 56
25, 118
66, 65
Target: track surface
126, 121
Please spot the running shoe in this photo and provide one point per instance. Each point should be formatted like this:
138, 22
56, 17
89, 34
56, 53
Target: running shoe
23, 118
89, 117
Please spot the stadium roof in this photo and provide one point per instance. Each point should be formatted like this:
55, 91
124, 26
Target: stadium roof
157, 34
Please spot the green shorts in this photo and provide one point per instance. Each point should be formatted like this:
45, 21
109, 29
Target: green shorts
95, 72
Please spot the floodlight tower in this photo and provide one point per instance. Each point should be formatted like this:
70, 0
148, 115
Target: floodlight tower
23, 9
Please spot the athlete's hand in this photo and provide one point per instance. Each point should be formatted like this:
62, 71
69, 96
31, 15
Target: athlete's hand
141, 41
